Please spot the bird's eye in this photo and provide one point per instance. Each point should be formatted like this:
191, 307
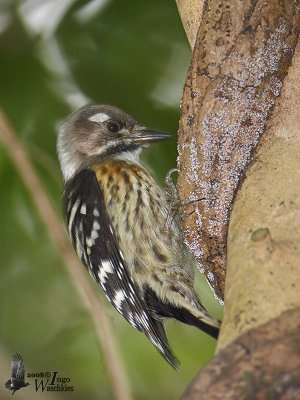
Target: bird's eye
113, 126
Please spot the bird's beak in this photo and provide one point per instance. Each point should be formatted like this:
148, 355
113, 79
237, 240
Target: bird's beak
147, 136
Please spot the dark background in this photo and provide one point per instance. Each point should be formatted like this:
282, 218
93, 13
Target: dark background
56, 55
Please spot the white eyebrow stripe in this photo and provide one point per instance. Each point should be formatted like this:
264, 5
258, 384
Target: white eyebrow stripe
99, 117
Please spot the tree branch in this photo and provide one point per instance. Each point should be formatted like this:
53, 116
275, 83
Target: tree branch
262, 364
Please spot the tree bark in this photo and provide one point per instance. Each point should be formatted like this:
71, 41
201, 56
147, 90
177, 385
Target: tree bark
263, 276
262, 364
242, 53
191, 14
260, 252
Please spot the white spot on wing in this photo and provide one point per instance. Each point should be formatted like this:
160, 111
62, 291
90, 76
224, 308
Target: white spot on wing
90, 242
94, 234
78, 246
106, 268
119, 274
69, 205
96, 212
83, 209
96, 226
119, 297
99, 117
72, 215
102, 275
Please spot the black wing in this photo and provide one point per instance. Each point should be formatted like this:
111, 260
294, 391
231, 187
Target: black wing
17, 367
95, 242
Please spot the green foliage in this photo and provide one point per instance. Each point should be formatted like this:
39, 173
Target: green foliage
132, 54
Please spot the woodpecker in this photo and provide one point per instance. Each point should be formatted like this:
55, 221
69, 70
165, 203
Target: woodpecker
116, 216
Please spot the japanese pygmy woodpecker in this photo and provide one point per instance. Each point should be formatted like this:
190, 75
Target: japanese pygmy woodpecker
116, 215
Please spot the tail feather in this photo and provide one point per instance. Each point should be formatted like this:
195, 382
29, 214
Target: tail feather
209, 325
161, 342
199, 318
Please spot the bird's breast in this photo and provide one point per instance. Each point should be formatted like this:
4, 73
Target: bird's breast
138, 209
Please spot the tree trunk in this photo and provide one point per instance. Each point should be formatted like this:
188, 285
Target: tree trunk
239, 158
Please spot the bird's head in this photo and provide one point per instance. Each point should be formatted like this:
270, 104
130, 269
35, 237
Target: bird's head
98, 132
